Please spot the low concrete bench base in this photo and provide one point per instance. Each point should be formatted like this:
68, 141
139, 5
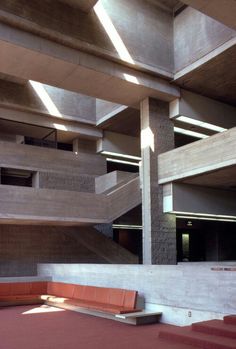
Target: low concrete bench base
138, 318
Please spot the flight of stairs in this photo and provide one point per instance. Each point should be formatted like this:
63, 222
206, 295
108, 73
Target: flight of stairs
213, 334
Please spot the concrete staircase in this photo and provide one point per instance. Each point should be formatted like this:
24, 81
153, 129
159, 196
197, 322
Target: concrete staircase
103, 247
213, 334
25, 205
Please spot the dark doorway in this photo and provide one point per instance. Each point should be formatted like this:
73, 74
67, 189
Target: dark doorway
131, 239
205, 240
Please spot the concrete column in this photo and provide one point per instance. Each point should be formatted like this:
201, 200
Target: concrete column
159, 229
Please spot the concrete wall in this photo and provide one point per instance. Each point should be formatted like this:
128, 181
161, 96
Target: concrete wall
178, 291
145, 29
22, 247
195, 35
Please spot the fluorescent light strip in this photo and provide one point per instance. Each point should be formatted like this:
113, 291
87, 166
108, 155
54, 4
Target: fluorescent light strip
118, 155
189, 133
204, 216
123, 162
127, 226
202, 124
207, 219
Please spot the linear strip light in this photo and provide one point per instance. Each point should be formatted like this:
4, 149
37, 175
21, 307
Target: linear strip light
204, 216
189, 133
123, 162
202, 124
118, 155
127, 226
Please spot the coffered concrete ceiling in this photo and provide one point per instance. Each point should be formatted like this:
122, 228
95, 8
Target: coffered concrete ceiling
216, 78
222, 10
126, 122
223, 178
169, 5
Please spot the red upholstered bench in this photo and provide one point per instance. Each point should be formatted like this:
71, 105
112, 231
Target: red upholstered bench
18, 293
108, 300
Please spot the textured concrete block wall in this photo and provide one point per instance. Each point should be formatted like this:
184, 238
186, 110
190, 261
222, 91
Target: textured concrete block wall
22, 247
80, 183
159, 237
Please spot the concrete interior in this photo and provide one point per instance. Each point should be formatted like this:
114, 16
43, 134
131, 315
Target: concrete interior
117, 146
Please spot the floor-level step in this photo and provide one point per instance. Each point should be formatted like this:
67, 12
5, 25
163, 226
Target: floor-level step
216, 327
186, 335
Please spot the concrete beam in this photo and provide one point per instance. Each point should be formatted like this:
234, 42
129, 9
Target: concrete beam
73, 70
223, 11
86, 32
206, 155
118, 143
83, 5
188, 199
67, 130
203, 109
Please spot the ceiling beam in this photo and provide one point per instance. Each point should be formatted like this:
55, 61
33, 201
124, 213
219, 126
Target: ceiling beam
31, 57
83, 5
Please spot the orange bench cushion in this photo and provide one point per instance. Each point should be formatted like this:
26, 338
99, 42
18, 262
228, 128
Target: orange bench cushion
60, 289
23, 288
115, 298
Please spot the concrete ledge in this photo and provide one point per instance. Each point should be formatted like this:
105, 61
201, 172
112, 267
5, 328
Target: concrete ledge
24, 279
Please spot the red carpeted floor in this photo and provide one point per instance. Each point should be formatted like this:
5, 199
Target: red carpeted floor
23, 327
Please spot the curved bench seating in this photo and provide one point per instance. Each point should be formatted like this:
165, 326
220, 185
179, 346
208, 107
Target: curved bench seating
107, 300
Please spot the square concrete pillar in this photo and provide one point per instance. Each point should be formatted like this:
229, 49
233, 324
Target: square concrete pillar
159, 229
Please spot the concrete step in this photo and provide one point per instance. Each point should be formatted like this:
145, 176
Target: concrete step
185, 335
230, 319
215, 327
165, 344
